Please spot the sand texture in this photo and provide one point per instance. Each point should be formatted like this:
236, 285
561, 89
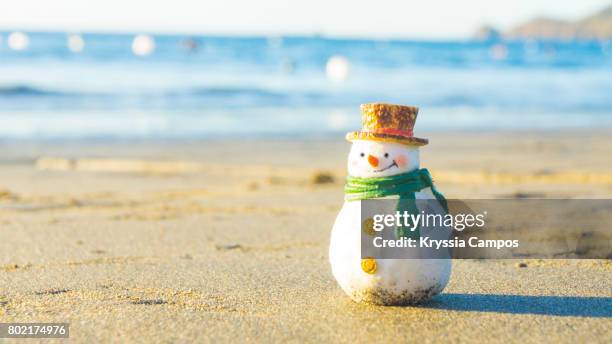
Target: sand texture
226, 241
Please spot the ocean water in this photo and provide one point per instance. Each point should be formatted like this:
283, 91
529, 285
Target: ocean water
249, 86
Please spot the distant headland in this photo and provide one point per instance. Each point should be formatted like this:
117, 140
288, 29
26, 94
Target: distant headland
597, 26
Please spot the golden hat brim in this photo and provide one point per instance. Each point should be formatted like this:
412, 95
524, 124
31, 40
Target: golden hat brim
405, 140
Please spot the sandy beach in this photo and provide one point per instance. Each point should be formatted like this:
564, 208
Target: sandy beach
226, 241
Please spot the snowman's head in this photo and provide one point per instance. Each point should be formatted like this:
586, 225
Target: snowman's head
381, 159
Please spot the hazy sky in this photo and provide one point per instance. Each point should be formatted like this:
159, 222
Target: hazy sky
378, 18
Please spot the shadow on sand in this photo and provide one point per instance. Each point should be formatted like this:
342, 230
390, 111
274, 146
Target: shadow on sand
568, 306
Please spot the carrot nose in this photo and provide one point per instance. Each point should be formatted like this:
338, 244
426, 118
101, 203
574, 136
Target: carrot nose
373, 160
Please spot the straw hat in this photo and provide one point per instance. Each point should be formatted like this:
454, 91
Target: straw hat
388, 122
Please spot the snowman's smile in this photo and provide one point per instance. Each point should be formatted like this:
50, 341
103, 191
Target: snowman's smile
394, 164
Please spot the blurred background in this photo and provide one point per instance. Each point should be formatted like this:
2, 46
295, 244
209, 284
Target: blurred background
186, 69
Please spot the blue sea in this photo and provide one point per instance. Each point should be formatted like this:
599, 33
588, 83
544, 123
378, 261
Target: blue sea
201, 86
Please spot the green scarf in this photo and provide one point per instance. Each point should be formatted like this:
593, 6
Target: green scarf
403, 185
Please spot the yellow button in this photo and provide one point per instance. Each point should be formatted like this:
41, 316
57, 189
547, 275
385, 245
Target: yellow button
368, 226
368, 265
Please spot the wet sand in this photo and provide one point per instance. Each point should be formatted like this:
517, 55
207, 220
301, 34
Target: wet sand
227, 241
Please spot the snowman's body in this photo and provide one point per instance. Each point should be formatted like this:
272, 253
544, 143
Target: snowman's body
394, 281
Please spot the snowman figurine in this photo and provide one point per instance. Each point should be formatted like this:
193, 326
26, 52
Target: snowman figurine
383, 155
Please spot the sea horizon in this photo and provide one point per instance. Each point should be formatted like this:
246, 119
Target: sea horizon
98, 85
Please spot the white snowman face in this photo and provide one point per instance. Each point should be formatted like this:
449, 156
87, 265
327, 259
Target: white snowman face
381, 159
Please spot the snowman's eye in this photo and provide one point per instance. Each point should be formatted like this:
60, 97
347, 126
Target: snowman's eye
386, 155
362, 154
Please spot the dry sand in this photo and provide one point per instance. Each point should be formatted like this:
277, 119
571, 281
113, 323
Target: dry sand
227, 242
